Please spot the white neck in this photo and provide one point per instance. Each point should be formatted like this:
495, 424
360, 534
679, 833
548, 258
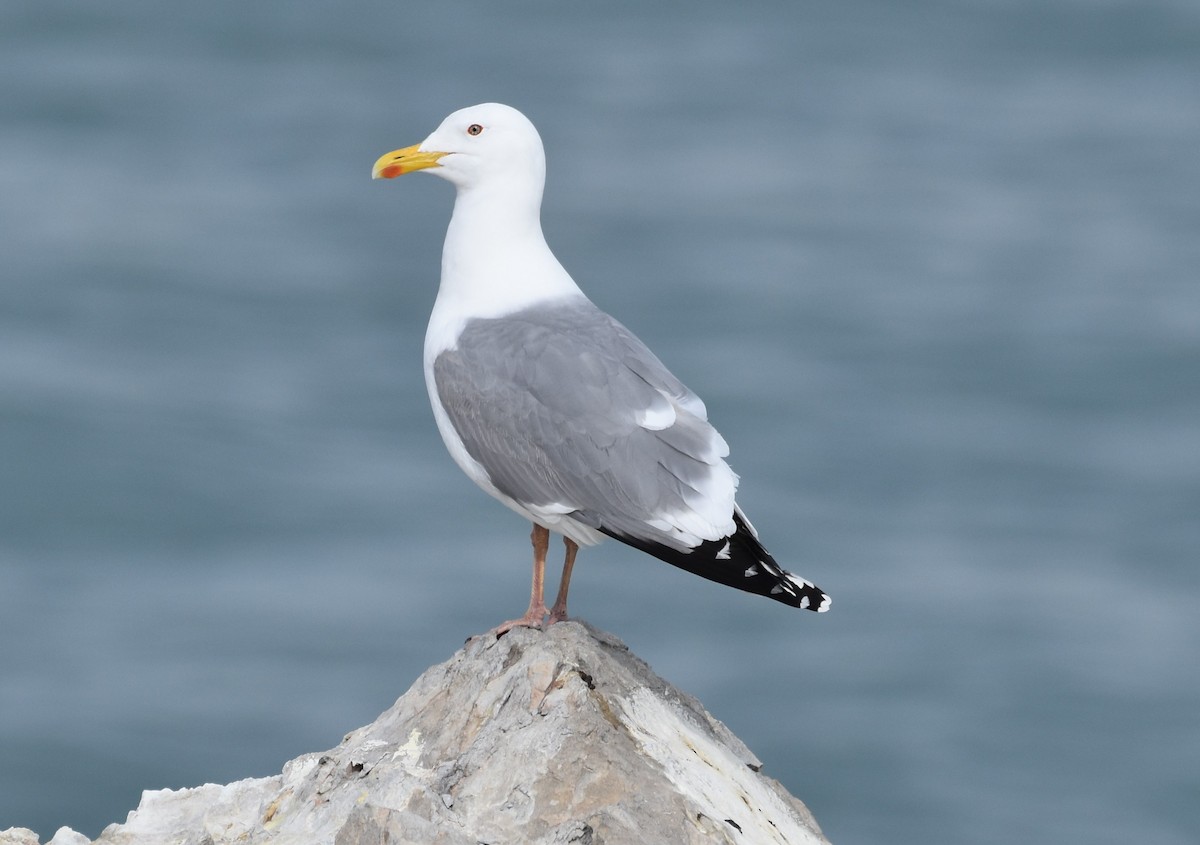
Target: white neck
495, 261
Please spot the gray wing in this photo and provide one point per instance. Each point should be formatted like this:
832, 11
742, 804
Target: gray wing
563, 405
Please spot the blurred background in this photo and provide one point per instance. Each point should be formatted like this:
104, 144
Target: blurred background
933, 266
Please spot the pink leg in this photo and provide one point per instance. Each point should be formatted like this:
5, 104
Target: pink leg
537, 604
559, 612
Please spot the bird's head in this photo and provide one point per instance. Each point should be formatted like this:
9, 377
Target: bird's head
476, 145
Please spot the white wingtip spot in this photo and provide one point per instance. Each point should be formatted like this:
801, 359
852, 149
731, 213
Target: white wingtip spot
752, 571
776, 590
724, 553
804, 602
799, 582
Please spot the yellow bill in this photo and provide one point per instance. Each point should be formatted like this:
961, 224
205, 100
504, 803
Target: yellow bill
398, 162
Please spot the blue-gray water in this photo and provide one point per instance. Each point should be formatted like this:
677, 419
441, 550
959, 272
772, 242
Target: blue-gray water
935, 268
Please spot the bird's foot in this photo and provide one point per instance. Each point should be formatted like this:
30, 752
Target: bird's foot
532, 619
557, 614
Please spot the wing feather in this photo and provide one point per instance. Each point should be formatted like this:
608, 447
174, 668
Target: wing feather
563, 404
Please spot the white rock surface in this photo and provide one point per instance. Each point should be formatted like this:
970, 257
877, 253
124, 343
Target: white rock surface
551, 737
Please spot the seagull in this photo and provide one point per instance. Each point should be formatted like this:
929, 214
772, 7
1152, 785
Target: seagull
551, 405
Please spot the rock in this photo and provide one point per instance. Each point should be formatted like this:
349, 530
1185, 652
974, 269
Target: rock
18, 836
25, 836
66, 836
538, 738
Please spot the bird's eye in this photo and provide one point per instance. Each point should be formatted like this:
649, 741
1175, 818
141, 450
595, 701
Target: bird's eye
474, 129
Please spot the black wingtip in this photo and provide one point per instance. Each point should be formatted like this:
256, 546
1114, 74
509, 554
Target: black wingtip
741, 562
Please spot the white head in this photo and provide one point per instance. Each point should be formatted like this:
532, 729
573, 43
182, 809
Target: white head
495, 258
476, 147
